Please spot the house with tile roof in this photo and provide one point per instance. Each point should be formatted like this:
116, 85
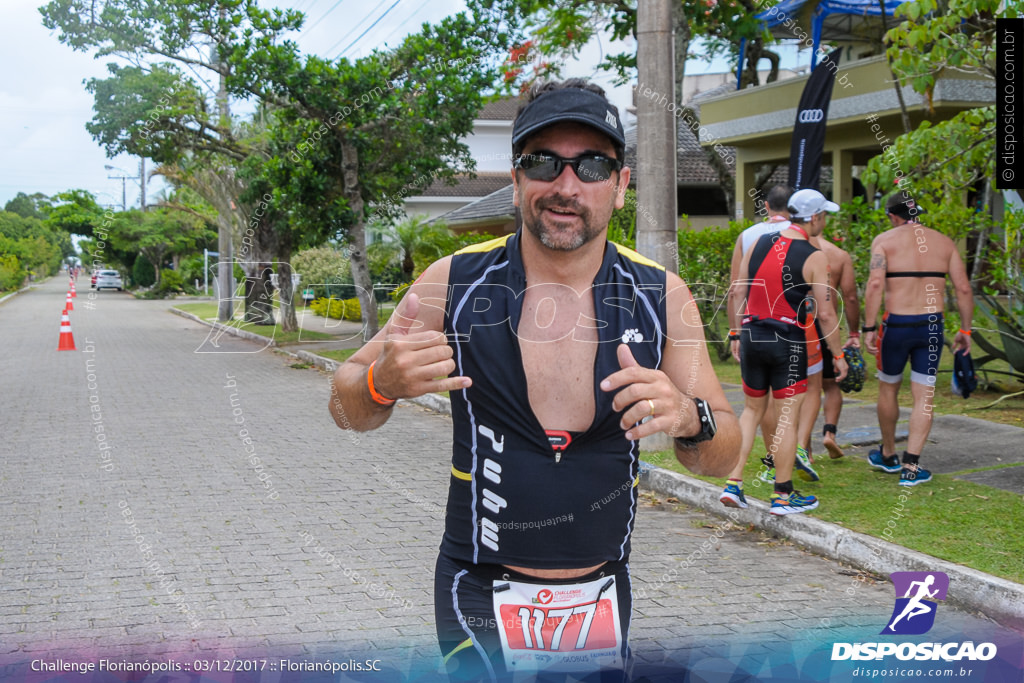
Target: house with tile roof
489, 144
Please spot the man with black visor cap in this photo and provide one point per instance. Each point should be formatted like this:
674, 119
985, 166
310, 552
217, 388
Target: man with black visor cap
560, 351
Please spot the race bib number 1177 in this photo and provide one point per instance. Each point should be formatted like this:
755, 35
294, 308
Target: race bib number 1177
566, 627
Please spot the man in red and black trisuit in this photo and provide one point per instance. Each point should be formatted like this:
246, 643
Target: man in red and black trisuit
787, 279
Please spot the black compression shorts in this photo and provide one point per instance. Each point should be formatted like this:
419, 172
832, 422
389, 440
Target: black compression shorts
768, 360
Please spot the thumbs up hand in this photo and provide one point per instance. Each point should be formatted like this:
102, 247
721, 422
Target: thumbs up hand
651, 402
414, 363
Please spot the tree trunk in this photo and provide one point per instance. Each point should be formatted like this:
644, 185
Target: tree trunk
262, 310
259, 307
155, 256
357, 240
225, 269
682, 45
363, 280
259, 291
979, 247
904, 114
289, 323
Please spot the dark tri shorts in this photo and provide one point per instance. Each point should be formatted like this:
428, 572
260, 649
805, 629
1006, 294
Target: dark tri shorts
773, 355
917, 338
467, 629
828, 368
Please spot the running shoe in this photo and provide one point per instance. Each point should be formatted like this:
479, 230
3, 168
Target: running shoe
803, 466
890, 464
792, 503
732, 497
767, 475
913, 478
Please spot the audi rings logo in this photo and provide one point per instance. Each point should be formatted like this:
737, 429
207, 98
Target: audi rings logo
810, 116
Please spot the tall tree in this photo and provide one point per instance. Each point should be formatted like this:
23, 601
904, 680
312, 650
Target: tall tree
346, 134
158, 234
76, 212
938, 163
36, 205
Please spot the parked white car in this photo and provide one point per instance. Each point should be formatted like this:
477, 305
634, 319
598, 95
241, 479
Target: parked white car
109, 279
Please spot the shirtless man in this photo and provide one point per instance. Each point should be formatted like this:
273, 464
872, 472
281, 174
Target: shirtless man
561, 350
841, 265
909, 265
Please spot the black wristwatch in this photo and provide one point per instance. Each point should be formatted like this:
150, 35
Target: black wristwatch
869, 329
708, 426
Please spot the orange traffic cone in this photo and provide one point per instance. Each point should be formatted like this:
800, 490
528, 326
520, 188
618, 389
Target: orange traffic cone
67, 340
73, 295
68, 305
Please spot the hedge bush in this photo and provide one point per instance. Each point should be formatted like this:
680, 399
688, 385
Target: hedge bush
344, 309
12, 274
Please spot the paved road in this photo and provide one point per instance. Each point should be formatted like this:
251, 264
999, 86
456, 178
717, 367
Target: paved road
161, 537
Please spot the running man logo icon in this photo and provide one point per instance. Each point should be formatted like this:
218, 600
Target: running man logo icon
916, 593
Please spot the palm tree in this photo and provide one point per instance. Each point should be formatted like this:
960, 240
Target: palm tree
415, 243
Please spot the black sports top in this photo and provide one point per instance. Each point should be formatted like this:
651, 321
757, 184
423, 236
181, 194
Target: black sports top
916, 273
513, 498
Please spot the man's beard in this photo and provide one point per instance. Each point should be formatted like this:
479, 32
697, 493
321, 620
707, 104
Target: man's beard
562, 238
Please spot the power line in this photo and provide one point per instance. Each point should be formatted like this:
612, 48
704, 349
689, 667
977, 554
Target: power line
322, 17
408, 19
369, 28
354, 28
308, 5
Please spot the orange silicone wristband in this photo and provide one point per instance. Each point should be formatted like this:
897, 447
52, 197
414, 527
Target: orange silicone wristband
373, 392
963, 331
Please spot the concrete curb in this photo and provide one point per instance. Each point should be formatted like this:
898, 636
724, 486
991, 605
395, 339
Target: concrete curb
23, 289
438, 404
251, 336
996, 598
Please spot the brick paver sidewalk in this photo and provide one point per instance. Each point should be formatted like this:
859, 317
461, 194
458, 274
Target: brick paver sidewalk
137, 522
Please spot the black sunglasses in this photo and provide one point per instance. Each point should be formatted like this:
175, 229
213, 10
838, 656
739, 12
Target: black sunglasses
589, 168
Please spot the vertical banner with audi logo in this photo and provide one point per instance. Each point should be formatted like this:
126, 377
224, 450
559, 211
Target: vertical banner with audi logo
809, 131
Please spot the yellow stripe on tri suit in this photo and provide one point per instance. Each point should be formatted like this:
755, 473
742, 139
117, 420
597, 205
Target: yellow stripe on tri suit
637, 258
459, 474
489, 245
468, 642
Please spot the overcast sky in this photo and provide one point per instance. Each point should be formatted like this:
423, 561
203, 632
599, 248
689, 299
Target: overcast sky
44, 105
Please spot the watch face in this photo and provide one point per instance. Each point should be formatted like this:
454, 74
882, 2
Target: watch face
711, 419
707, 417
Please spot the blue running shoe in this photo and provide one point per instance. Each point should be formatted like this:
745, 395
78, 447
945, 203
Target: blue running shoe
792, 503
913, 478
732, 497
890, 464
803, 466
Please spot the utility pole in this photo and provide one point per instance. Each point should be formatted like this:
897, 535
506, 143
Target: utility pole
656, 147
656, 215
142, 182
124, 180
226, 260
